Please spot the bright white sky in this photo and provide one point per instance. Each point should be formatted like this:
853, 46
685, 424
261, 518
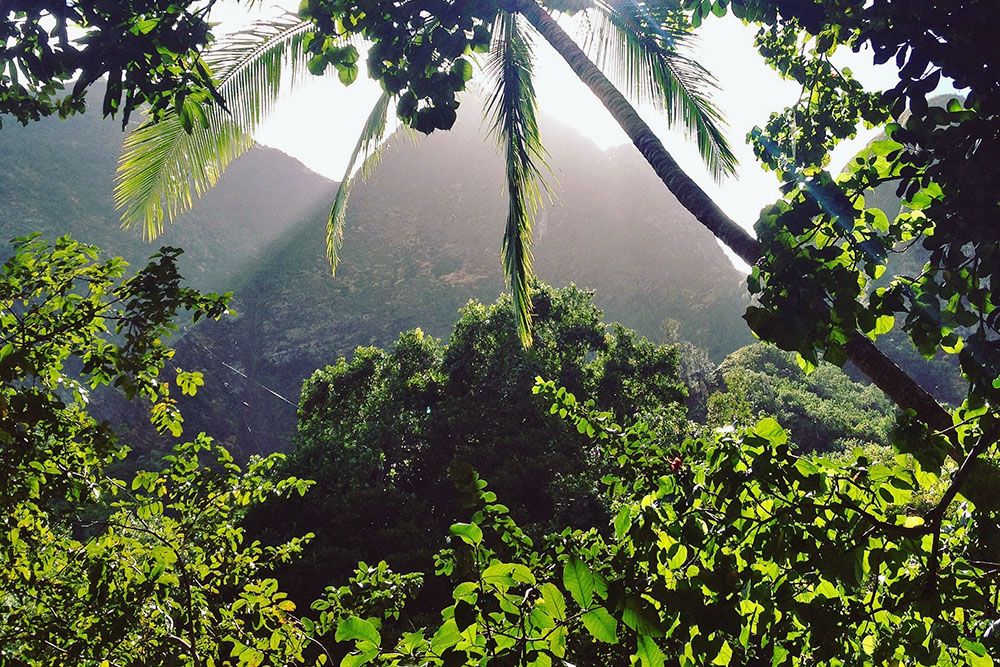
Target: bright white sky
319, 123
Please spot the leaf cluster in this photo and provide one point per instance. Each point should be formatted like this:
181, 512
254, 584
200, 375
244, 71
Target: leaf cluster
149, 51
727, 548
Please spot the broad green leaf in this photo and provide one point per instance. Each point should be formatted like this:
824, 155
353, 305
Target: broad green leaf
725, 654
601, 625
648, 652
639, 615
469, 533
579, 581
554, 600
771, 430
357, 629
446, 636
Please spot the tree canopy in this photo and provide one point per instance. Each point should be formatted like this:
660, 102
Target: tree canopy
378, 433
824, 411
149, 51
97, 570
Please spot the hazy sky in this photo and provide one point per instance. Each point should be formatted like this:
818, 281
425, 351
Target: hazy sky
318, 124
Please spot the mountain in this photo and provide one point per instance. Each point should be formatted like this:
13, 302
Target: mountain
423, 237
58, 178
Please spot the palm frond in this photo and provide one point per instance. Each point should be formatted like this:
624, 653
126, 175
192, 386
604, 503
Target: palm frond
513, 108
163, 168
639, 44
369, 149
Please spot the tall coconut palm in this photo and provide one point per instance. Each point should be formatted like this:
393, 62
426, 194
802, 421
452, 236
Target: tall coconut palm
637, 42
645, 54
885, 374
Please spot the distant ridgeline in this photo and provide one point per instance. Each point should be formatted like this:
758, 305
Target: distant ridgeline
423, 237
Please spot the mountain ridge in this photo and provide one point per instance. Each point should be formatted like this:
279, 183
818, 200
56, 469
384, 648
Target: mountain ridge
423, 237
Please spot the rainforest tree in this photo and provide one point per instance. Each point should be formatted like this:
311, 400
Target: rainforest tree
95, 570
379, 432
419, 56
727, 547
149, 51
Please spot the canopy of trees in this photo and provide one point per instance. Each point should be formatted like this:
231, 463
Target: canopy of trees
823, 411
380, 432
95, 570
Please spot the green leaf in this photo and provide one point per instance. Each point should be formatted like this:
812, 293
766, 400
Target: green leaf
771, 430
554, 600
369, 150
469, 533
976, 660
601, 625
513, 108
462, 68
806, 467
725, 654
623, 521
639, 615
347, 74
146, 26
645, 52
579, 581
357, 629
357, 659
884, 324
317, 64
446, 636
648, 652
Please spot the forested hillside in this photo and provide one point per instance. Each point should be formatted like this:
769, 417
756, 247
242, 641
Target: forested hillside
419, 244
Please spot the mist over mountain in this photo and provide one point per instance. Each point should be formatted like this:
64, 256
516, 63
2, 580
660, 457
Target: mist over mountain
58, 178
423, 238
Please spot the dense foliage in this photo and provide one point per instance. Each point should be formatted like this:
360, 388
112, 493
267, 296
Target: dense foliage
96, 570
938, 158
823, 411
147, 49
727, 546
379, 432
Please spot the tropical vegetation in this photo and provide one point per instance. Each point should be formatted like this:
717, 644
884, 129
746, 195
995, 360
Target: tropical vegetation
824, 411
379, 432
733, 542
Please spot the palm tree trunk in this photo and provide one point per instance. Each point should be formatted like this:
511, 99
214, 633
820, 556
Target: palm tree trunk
884, 373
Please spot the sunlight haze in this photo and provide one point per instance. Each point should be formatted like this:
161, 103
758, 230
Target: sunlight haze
318, 124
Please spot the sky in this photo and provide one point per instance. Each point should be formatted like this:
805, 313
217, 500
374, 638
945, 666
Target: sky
319, 122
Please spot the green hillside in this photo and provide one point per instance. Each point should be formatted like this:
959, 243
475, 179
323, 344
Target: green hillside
423, 238
58, 178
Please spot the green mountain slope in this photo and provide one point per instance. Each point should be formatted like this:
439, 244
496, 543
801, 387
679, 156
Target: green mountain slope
58, 178
423, 237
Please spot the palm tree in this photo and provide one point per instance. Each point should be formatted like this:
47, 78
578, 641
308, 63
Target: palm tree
638, 42
883, 372
165, 165
644, 53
